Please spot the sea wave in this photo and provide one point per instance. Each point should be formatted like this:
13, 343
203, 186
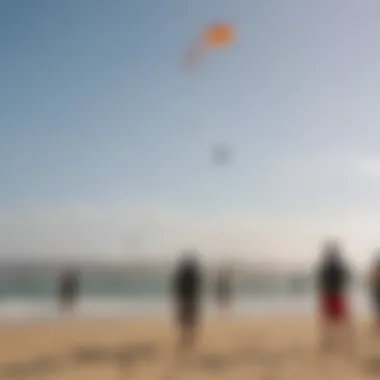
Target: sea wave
39, 308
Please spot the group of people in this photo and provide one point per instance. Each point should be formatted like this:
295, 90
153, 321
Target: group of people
188, 285
333, 280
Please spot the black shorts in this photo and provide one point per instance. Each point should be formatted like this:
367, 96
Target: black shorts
187, 313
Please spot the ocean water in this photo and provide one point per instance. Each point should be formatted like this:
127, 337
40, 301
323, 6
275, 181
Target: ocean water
29, 293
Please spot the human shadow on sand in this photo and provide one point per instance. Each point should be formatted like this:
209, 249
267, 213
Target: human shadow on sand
372, 365
216, 362
131, 354
14, 370
124, 355
89, 354
246, 356
41, 365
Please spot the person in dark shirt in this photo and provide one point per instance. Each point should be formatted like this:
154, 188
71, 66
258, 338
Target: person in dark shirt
68, 289
187, 292
333, 279
375, 292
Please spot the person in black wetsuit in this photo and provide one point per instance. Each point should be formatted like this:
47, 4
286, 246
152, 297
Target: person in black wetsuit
68, 291
333, 278
375, 292
187, 292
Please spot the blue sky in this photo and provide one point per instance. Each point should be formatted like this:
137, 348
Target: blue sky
103, 136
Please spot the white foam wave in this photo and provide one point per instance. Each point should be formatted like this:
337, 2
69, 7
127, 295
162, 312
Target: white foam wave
27, 309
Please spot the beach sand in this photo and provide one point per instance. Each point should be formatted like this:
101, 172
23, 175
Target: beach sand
235, 348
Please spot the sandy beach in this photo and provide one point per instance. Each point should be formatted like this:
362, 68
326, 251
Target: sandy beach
238, 348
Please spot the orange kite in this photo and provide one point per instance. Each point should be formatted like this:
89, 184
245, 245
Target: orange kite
215, 36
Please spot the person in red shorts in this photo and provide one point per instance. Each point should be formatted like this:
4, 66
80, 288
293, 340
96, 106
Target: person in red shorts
333, 279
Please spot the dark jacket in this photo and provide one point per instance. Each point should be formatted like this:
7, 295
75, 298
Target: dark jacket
187, 282
333, 276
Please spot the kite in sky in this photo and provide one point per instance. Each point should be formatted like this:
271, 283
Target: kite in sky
215, 36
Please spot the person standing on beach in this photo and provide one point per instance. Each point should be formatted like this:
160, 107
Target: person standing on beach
68, 291
375, 292
187, 292
223, 288
333, 278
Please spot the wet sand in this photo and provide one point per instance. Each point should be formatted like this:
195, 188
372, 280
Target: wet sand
238, 348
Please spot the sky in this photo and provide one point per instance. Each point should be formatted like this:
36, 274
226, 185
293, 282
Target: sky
106, 142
